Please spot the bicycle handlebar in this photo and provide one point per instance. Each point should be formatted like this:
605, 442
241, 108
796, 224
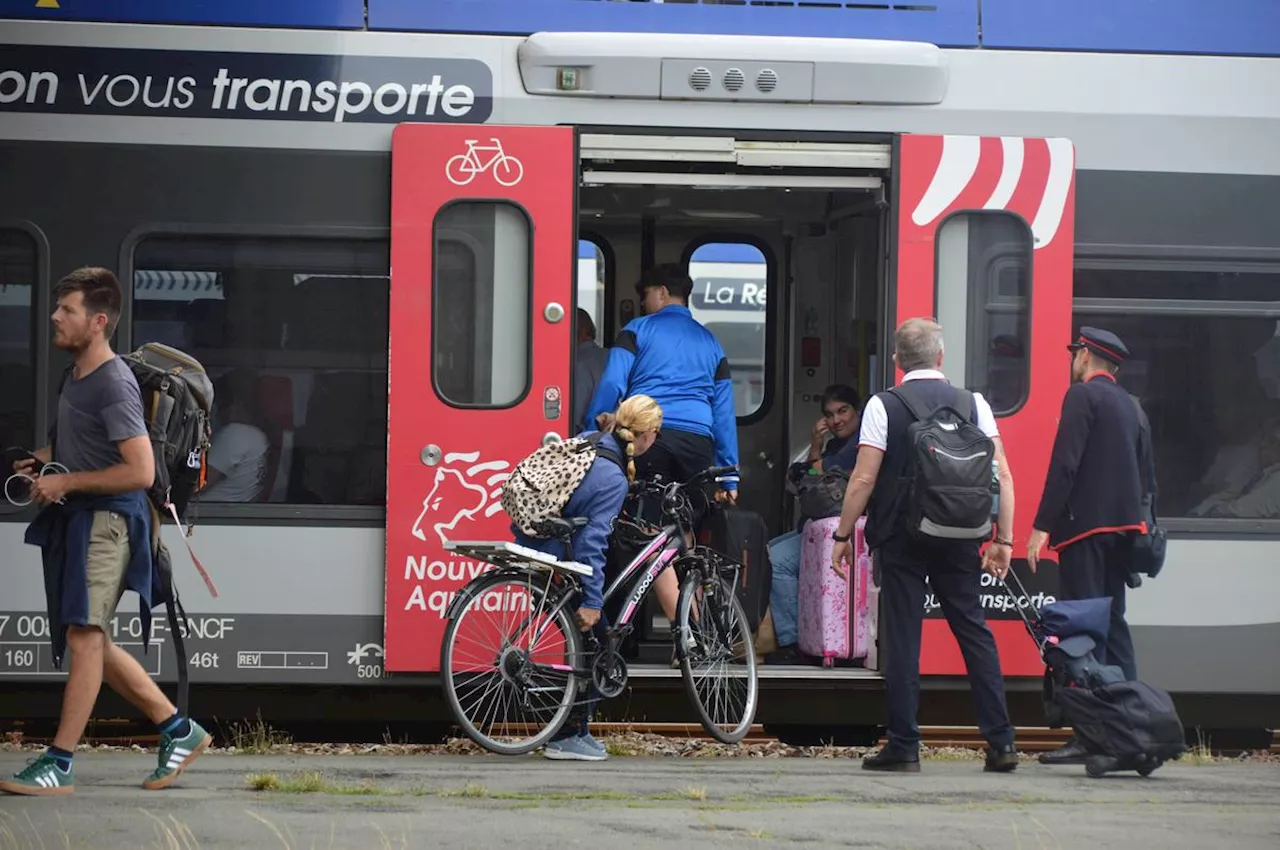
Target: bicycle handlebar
660, 484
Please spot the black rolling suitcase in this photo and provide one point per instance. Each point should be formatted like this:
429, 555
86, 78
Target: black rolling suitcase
742, 536
1123, 725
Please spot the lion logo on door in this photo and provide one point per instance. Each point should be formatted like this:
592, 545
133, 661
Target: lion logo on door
461, 491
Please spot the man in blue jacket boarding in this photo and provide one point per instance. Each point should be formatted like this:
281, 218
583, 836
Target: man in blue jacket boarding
667, 355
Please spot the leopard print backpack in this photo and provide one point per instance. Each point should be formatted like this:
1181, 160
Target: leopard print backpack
542, 484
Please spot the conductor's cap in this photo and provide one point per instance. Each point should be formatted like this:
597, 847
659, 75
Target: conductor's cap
1101, 342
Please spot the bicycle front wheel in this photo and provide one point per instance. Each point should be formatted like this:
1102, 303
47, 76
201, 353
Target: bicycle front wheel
507, 664
717, 656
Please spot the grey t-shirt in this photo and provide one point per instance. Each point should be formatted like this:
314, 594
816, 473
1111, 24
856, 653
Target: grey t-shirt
95, 413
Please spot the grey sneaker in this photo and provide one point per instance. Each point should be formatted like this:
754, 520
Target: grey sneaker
595, 745
577, 748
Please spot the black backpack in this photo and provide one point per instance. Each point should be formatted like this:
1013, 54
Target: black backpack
1149, 548
947, 479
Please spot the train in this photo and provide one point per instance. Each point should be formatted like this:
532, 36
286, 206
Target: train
388, 222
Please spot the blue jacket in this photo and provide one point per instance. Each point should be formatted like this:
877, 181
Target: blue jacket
677, 362
62, 532
599, 498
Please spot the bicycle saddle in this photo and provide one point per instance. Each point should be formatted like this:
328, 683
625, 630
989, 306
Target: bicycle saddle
559, 528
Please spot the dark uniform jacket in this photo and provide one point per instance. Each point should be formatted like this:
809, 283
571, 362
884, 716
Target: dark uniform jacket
1093, 486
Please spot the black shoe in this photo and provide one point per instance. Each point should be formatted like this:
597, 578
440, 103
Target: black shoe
1001, 759
1073, 752
891, 760
789, 654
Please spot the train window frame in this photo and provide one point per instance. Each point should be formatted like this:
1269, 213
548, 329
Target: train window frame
975, 303
40, 343
266, 514
1180, 258
604, 324
770, 309
530, 242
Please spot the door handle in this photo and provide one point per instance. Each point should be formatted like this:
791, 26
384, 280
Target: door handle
553, 312
430, 455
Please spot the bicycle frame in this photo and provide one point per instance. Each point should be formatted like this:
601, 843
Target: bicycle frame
659, 553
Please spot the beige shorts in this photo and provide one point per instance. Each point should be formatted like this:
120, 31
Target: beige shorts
105, 566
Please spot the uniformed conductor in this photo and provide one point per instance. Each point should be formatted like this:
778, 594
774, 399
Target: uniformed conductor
952, 567
1092, 501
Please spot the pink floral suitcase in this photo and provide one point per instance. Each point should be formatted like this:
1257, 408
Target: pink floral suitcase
833, 611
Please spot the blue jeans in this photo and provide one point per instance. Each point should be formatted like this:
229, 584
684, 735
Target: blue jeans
784, 595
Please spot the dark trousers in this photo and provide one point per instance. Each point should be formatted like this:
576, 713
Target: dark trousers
579, 720
676, 456
954, 572
1094, 567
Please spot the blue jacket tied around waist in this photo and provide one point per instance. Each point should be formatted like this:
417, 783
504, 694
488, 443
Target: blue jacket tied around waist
62, 533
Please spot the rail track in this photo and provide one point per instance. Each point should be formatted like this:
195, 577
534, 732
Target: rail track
1030, 739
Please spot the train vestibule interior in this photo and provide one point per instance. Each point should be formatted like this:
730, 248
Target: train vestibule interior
790, 280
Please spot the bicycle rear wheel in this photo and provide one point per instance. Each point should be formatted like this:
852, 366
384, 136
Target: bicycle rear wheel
719, 668
507, 664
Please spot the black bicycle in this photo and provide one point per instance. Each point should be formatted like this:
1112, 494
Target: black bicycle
514, 663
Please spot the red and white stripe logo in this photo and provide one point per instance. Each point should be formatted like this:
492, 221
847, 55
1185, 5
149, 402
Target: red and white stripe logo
1031, 177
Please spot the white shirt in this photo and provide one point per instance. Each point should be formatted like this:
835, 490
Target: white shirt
875, 419
239, 452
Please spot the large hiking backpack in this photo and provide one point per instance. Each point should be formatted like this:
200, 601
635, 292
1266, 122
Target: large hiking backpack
177, 401
542, 484
948, 474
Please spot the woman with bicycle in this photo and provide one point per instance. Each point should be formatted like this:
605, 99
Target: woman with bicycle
599, 500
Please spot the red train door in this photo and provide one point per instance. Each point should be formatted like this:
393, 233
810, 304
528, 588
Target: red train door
985, 243
483, 257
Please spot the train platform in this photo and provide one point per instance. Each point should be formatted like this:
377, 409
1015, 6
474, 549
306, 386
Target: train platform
824, 800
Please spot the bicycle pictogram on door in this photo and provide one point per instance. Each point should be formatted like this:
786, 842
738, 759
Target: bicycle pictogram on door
463, 168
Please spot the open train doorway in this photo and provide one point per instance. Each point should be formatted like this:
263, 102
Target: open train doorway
486, 223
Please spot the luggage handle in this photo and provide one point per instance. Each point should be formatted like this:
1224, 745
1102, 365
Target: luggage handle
1030, 614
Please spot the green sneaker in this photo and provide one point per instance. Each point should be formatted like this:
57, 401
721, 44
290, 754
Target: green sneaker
175, 755
41, 778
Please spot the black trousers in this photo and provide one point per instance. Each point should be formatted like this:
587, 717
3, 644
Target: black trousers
1098, 566
579, 719
953, 570
677, 456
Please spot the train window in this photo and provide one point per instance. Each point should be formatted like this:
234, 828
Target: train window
591, 282
18, 270
480, 353
730, 285
294, 333
984, 305
1204, 342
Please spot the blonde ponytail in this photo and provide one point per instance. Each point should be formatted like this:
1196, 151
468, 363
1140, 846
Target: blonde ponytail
636, 415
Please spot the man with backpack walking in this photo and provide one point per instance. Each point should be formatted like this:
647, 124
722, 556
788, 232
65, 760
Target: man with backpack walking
1092, 503
925, 454
95, 531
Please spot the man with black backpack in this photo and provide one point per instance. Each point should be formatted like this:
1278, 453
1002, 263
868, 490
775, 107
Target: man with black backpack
925, 455
95, 531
